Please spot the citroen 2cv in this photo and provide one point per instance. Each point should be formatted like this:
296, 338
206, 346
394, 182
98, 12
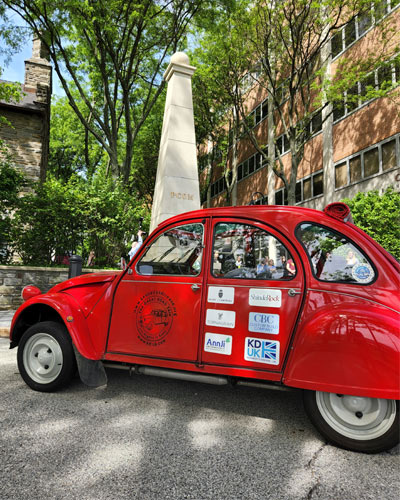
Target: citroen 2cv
266, 296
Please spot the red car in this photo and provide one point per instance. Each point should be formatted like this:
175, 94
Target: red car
264, 296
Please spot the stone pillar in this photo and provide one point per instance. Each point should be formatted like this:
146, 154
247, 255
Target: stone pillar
38, 72
38, 80
177, 183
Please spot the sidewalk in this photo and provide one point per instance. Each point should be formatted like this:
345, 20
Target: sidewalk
5, 322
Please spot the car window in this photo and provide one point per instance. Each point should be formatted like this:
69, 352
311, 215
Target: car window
242, 251
177, 251
333, 256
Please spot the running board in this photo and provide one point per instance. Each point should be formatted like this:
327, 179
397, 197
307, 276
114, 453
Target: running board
175, 374
196, 377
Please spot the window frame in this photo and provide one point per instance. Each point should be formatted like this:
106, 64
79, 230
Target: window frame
257, 280
349, 240
200, 222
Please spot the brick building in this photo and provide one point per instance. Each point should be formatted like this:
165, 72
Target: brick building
353, 147
28, 137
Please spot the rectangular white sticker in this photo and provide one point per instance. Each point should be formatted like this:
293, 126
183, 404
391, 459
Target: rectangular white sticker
261, 351
221, 294
265, 297
224, 319
263, 323
217, 343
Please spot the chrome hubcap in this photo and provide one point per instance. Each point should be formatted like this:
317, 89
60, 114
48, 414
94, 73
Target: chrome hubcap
42, 358
356, 417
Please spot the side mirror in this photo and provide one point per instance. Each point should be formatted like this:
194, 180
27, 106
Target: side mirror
123, 264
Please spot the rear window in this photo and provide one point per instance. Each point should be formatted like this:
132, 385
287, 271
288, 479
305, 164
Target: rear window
334, 257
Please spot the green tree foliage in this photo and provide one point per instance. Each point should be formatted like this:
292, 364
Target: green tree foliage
379, 216
282, 48
109, 56
75, 216
222, 59
72, 149
11, 182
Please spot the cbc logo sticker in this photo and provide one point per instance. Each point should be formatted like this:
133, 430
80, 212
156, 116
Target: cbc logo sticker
264, 323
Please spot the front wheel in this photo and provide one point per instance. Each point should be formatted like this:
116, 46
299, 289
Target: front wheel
46, 359
355, 423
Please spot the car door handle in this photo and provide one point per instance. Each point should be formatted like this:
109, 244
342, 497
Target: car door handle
293, 293
195, 287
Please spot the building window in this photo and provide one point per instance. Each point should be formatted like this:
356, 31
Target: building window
386, 76
251, 165
281, 197
389, 155
312, 186
357, 27
341, 175
355, 169
218, 186
259, 113
307, 189
369, 162
318, 184
316, 123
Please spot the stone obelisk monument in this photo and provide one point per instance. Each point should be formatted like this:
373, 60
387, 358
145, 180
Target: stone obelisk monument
177, 182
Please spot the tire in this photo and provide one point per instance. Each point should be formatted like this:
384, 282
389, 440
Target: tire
46, 359
354, 423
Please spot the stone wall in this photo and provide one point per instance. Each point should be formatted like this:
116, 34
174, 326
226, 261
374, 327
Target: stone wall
14, 278
24, 139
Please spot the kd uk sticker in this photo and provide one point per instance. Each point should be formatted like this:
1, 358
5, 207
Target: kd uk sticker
261, 351
264, 323
265, 297
221, 294
219, 344
224, 319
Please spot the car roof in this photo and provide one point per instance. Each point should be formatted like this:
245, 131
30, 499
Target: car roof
253, 211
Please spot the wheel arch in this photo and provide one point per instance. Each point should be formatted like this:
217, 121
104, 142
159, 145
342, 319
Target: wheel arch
347, 348
59, 308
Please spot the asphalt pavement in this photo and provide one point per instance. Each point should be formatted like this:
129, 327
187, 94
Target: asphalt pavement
151, 438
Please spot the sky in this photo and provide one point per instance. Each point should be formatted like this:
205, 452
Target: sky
14, 71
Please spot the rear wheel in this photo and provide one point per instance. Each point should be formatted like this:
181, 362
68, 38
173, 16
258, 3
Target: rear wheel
46, 358
355, 423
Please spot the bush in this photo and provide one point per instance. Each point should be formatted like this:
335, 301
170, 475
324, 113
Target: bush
76, 216
379, 216
11, 182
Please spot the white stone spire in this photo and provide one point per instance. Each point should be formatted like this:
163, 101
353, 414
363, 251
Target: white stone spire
177, 182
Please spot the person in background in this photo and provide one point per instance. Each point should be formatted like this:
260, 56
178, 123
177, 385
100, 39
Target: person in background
217, 266
137, 243
351, 259
239, 261
262, 266
291, 268
91, 259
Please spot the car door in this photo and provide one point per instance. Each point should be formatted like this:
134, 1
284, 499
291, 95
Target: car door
255, 285
157, 304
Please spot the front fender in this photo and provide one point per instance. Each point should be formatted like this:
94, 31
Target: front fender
346, 347
40, 308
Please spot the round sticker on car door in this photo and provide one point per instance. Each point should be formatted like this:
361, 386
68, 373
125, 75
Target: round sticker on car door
154, 317
363, 273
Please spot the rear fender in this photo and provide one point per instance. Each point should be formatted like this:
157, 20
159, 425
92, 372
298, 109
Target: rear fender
58, 307
351, 348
